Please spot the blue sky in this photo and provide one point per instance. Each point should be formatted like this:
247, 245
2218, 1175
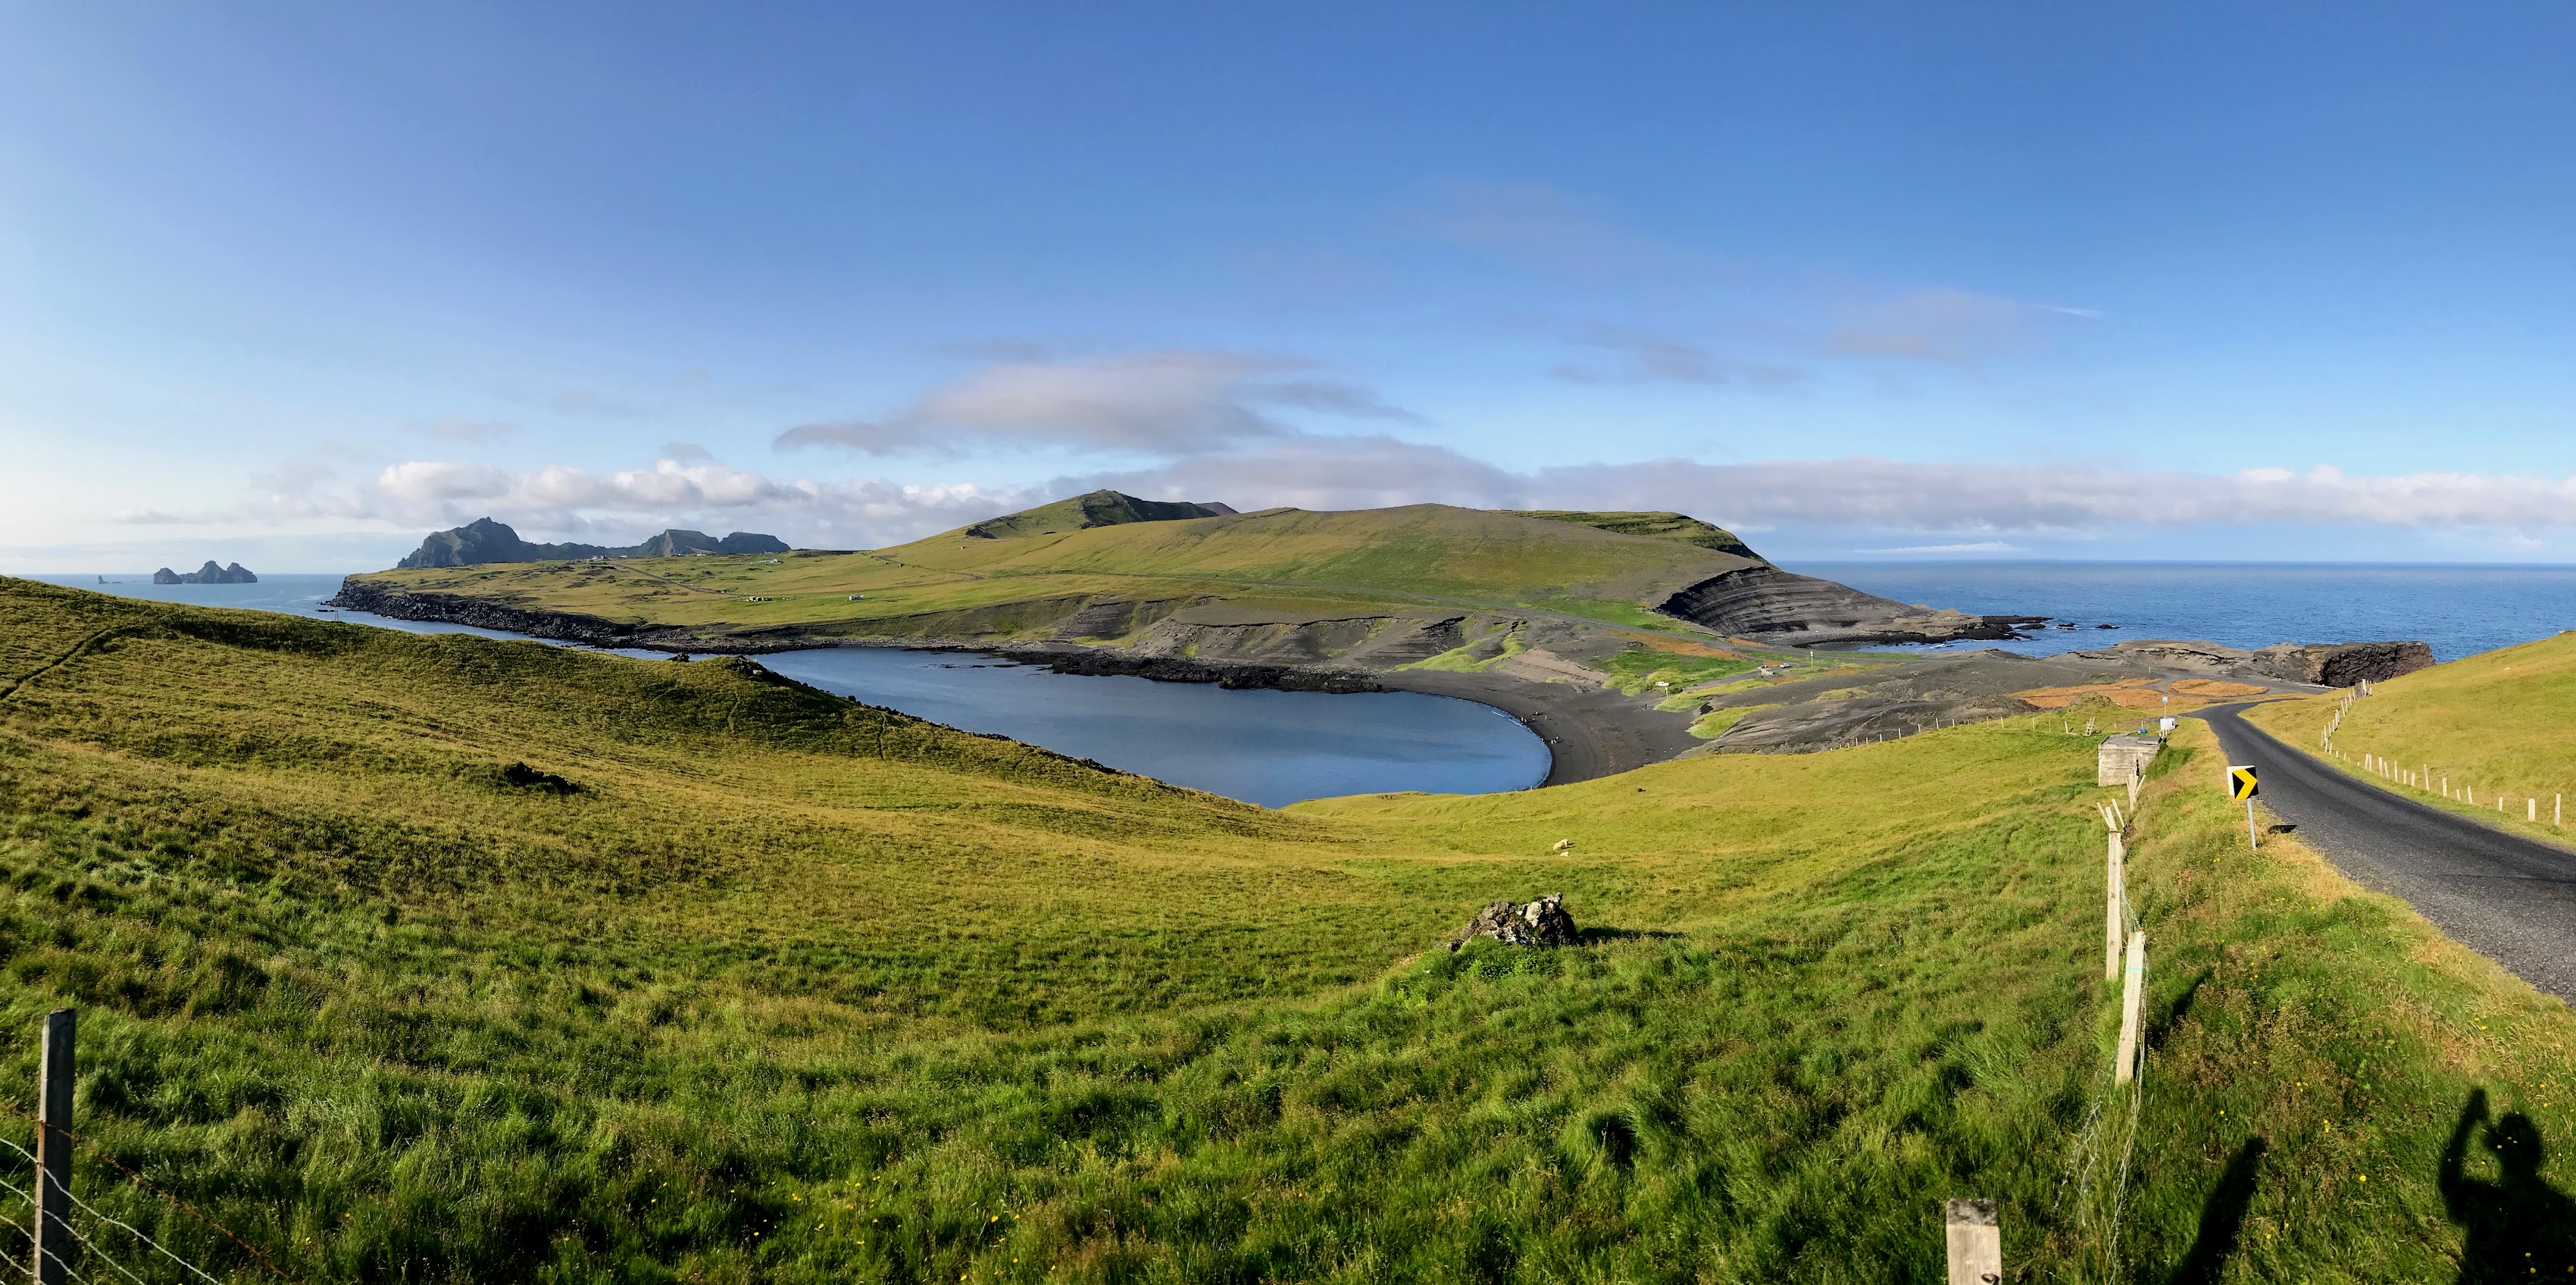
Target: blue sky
295, 284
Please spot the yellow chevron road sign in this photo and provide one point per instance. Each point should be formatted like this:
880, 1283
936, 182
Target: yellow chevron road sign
2240, 781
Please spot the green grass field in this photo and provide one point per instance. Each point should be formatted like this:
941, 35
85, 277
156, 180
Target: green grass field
1423, 557
2494, 724
793, 989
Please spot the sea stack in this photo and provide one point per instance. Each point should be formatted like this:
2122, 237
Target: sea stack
207, 574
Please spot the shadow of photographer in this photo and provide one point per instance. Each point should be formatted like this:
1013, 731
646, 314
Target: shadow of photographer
2519, 1228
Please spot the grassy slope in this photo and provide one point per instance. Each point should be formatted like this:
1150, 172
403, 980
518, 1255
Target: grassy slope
800, 990
1406, 557
2496, 722
1663, 526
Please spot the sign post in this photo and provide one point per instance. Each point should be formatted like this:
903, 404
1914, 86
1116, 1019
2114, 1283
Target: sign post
2241, 785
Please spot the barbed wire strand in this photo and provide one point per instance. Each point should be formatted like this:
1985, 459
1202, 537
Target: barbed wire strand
103, 1255
39, 1245
138, 1180
129, 1228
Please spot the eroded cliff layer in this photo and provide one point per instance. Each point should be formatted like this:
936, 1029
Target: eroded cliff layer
1783, 607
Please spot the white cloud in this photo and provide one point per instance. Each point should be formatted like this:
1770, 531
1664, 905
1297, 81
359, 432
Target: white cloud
1159, 403
1868, 493
1946, 507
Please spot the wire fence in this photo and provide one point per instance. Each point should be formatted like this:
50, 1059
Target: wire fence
48, 1202
2093, 1191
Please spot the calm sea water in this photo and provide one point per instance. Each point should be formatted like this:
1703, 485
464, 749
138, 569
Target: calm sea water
1270, 748
2460, 610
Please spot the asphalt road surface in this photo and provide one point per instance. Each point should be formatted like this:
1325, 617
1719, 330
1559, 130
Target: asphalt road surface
2504, 896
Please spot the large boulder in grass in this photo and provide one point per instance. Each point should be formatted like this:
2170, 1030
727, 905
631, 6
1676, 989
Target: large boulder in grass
1535, 923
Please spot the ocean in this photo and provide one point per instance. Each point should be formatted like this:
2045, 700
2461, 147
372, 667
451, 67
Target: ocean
2459, 610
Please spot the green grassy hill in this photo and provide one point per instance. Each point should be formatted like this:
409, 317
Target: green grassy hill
792, 989
1025, 574
2466, 732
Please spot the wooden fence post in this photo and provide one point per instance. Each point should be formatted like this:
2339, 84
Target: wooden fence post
1976, 1242
53, 1149
2132, 997
2112, 920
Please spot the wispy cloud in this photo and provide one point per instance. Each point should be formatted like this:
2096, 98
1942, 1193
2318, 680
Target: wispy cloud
1940, 325
1636, 357
1158, 403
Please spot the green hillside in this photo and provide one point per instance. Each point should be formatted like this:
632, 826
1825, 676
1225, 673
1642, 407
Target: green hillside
2466, 733
1662, 526
1024, 574
786, 988
1096, 508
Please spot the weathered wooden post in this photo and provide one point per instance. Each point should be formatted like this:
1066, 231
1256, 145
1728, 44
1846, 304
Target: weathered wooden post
53, 1149
1976, 1242
2132, 998
2112, 920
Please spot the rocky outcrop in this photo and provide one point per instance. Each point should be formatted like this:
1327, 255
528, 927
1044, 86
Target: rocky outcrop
1780, 607
563, 626
1182, 669
2344, 664
1226, 633
1543, 922
484, 540
2325, 664
207, 574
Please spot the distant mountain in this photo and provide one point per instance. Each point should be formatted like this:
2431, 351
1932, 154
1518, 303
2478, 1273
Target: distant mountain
484, 540
1099, 508
207, 574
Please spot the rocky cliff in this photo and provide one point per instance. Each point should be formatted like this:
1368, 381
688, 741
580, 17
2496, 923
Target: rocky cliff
1775, 606
2326, 664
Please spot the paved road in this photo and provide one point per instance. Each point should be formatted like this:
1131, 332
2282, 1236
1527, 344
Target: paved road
2504, 896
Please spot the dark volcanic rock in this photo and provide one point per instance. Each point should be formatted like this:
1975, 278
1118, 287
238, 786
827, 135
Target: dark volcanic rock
207, 574
1538, 923
2327, 664
526, 777
564, 626
1173, 669
2343, 664
484, 540
1802, 611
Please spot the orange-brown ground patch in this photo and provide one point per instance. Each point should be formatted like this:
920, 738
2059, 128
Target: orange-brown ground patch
2129, 693
2216, 687
1678, 646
